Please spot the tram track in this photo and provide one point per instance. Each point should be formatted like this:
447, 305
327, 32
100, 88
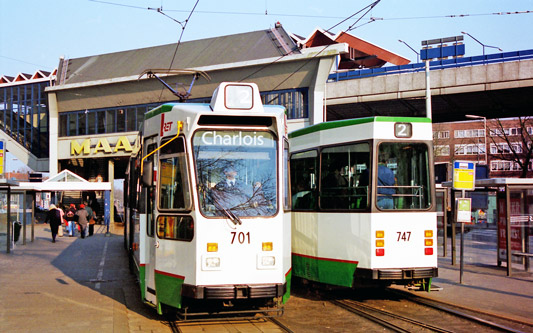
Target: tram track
491, 320
261, 322
383, 317
457, 319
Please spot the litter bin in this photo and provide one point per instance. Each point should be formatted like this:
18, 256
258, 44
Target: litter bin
16, 231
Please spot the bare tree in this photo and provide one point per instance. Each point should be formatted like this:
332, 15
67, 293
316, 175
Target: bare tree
514, 146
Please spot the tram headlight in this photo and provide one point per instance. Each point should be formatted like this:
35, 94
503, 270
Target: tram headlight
211, 263
268, 261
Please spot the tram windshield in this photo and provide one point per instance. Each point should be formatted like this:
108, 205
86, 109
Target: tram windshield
236, 173
403, 178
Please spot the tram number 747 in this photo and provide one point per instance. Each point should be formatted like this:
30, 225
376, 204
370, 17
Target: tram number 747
404, 236
240, 237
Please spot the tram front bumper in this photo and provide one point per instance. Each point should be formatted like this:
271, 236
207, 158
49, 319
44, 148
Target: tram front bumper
399, 273
251, 291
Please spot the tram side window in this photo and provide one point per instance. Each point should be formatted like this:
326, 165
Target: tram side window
303, 180
175, 227
344, 177
149, 193
286, 194
174, 190
403, 179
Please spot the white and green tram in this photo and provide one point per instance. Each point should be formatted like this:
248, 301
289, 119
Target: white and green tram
197, 242
363, 202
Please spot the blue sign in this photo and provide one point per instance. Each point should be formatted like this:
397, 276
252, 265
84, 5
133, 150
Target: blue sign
443, 52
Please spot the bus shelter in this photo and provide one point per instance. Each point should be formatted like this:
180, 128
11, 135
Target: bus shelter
6, 226
511, 213
63, 181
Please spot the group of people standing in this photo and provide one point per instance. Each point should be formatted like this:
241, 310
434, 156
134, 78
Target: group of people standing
83, 216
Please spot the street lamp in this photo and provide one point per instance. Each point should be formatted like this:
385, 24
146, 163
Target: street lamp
417, 54
484, 46
471, 116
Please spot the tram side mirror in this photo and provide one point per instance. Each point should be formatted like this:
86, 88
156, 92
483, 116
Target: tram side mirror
148, 171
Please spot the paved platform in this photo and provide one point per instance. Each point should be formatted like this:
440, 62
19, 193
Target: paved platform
84, 285
73, 285
485, 287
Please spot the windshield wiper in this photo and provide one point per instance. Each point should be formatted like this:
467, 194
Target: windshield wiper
227, 211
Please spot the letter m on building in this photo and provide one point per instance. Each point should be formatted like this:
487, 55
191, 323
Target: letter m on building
77, 149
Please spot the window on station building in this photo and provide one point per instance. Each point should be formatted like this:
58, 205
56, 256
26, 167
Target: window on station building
294, 100
91, 123
24, 114
110, 121
82, 123
129, 119
121, 120
102, 121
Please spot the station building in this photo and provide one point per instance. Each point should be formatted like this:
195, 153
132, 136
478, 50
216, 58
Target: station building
96, 104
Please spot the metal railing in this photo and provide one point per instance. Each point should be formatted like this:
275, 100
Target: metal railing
434, 65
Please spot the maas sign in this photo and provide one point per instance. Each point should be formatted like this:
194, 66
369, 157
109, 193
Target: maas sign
96, 147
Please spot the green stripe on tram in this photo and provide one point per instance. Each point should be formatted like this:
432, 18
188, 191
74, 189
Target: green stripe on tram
168, 289
142, 281
325, 271
349, 122
158, 110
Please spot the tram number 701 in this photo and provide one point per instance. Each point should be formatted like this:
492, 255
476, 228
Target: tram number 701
404, 236
240, 237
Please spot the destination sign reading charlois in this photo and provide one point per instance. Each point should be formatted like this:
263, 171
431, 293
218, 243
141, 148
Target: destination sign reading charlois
237, 138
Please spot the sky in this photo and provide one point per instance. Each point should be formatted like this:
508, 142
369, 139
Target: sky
34, 34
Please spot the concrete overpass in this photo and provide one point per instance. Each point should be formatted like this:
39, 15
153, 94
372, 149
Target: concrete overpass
494, 86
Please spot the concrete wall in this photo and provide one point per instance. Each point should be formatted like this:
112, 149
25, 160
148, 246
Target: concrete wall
496, 76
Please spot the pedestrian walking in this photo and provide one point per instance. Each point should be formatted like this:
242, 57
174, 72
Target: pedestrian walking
91, 218
54, 219
71, 217
82, 220
61, 214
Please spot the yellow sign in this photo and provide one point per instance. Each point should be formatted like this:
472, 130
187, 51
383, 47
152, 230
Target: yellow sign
464, 175
102, 146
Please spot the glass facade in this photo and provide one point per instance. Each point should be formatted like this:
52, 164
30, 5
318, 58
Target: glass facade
129, 118
24, 116
103, 121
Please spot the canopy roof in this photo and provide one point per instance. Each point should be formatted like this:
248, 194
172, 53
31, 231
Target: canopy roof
361, 54
66, 180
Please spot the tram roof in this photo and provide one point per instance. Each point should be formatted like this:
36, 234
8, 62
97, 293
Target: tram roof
349, 122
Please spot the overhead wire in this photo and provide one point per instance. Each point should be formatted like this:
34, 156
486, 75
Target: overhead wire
369, 7
266, 13
183, 26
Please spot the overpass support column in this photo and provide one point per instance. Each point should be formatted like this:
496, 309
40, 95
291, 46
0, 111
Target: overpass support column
317, 90
54, 134
111, 176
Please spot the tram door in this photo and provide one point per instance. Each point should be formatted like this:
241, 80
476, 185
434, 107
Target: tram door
150, 228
